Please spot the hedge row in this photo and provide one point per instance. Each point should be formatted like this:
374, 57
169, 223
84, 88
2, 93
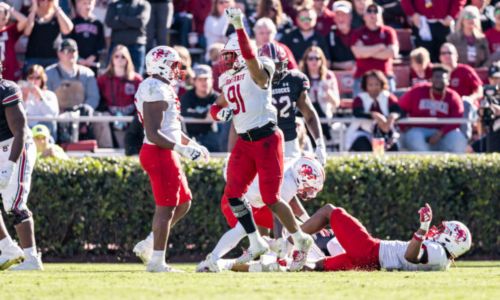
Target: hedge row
88, 207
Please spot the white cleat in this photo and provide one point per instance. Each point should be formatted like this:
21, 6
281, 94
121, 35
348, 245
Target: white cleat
300, 255
10, 256
210, 264
30, 264
143, 250
161, 268
252, 253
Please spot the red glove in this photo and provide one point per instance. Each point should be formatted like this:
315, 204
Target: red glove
425, 217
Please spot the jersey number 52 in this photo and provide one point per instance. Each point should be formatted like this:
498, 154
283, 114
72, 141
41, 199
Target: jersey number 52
234, 96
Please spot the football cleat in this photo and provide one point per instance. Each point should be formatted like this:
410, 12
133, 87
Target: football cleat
143, 250
161, 268
210, 264
11, 255
31, 263
300, 255
252, 253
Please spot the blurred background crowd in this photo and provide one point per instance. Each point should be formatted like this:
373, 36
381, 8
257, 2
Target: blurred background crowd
374, 60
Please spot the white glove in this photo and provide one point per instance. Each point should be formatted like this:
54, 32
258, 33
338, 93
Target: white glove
320, 151
6, 173
204, 151
192, 152
225, 114
235, 17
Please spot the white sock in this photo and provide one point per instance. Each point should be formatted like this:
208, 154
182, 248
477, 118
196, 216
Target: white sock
150, 238
5, 242
158, 256
30, 252
228, 241
297, 236
226, 264
255, 238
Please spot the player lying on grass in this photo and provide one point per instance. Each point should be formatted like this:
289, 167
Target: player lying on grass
356, 249
303, 177
428, 250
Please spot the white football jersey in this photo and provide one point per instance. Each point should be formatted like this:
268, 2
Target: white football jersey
152, 90
392, 257
252, 105
287, 192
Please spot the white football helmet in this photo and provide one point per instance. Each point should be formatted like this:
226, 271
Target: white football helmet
453, 235
165, 62
309, 176
230, 56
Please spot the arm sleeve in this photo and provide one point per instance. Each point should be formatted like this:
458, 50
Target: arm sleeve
324, 46
358, 109
475, 80
101, 40
12, 95
305, 85
456, 110
392, 37
405, 101
408, 7
153, 92
140, 20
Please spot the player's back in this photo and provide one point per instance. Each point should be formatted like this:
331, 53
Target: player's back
153, 90
392, 257
10, 94
252, 105
285, 95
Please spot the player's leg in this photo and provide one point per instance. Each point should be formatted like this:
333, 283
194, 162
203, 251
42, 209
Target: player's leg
166, 177
269, 159
358, 244
319, 220
336, 263
240, 173
10, 253
23, 218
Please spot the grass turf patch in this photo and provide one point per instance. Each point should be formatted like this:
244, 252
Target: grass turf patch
469, 280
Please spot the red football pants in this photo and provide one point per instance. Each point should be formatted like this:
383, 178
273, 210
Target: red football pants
263, 157
263, 216
169, 184
360, 247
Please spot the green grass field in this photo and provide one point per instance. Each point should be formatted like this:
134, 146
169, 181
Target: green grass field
469, 280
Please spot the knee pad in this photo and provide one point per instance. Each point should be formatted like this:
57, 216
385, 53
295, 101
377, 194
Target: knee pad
239, 206
21, 215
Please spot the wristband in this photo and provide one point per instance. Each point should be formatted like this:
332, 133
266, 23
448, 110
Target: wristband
425, 226
418, 237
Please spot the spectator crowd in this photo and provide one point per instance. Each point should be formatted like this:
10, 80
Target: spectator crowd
378, 61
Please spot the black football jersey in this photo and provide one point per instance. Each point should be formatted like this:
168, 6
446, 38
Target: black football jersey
10, 94
285, 96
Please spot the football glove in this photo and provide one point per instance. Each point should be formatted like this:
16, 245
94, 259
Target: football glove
425, 217
235, 17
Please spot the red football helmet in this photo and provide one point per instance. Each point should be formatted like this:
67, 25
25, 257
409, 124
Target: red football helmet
278, 55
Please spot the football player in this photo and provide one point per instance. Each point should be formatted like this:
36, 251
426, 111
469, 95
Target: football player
303, 178
17, 158
429, 249
158, 109
246, 98
290, 92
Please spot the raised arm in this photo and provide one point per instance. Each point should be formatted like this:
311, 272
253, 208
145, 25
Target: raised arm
65, 24
413, 253
311, 119
255, 67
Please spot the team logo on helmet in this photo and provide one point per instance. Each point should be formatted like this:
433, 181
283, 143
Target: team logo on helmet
278, 55
309, 176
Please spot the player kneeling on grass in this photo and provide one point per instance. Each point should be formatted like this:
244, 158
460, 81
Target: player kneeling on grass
428, 250
303, 178
158, 108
